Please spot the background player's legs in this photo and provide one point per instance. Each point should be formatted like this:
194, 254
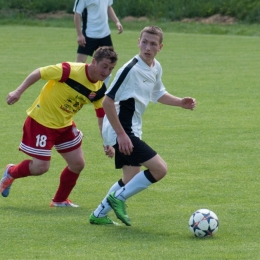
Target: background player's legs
81, 58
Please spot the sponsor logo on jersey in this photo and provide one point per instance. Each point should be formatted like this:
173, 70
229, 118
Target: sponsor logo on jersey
92, 95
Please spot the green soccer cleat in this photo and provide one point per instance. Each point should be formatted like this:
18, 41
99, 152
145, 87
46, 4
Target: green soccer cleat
101, 221
119, 208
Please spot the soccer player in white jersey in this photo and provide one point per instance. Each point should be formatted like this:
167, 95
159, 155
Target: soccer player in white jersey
49, 123
137, 83
92, 27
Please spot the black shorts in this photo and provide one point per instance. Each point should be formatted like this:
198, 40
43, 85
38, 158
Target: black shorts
92, 44
142, 152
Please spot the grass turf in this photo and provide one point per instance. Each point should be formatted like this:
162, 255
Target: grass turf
212, 155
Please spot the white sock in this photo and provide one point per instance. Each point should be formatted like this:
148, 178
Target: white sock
137, 184
104, 208
106, 81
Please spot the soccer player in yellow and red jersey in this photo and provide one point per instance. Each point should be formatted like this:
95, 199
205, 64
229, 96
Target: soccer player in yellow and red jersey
50, 123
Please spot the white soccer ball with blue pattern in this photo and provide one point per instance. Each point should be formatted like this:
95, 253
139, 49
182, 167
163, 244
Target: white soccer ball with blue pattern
203, 223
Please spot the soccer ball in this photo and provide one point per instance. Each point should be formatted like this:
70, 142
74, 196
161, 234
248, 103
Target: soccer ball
203, 223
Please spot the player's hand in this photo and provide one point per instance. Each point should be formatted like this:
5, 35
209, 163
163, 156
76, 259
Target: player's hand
125, 145
119, 27
81, 40
13, 97
109, 151
188, 103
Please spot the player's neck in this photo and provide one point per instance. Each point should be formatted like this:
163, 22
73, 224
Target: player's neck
149, 62
91, 73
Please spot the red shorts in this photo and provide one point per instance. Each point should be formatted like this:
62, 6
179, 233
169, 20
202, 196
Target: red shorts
38, 140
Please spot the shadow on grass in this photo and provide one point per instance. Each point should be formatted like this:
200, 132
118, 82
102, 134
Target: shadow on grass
148, 232
47, 211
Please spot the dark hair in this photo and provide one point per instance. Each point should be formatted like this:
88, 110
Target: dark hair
105, 52
153, 30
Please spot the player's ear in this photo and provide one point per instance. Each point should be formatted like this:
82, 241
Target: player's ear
138, 42
160, 46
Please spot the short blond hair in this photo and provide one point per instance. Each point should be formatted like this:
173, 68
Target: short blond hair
153, 30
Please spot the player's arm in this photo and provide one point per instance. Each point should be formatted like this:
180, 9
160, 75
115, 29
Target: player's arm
109, 150
100, 123
77, 22
124, 142
186, 102
113, 17
15, 95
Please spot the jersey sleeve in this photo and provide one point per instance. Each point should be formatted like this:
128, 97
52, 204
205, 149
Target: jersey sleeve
159, 89
120, 82
99, 107
52, 72
79, 6
114, 86
100, 112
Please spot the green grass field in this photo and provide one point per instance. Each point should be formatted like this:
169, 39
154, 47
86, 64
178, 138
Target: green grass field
212, 155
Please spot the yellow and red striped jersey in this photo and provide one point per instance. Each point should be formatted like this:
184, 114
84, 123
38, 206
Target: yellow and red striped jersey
58, 101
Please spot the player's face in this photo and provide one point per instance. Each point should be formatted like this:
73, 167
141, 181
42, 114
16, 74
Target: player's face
149, 45
103, 69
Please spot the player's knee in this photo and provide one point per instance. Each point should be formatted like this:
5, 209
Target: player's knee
77, 166
81, 166
160, 171
163, 169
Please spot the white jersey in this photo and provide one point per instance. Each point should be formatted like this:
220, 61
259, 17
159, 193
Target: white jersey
97, 17
134, 86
